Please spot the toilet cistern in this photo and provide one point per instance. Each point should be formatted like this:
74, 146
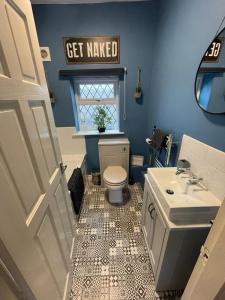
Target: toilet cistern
114, 167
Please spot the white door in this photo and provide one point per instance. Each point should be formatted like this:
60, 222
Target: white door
207, 281
36, 218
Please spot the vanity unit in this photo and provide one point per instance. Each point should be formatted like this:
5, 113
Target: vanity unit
175, 224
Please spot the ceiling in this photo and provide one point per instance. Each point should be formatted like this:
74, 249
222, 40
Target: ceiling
79, 1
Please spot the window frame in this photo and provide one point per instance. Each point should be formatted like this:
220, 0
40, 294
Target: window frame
111, 101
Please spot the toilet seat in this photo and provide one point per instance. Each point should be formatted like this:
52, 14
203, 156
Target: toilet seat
115, 175
114, 184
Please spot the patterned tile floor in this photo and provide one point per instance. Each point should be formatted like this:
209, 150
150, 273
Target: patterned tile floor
110, 258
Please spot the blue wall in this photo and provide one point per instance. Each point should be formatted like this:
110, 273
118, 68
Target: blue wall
134, 22
184, 31
166, 38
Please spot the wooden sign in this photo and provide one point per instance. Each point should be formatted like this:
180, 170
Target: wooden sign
92, 50
214, 50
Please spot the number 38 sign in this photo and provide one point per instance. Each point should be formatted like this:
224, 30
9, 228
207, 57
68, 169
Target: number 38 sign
214, 50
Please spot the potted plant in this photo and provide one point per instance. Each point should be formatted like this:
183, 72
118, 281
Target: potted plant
101, 118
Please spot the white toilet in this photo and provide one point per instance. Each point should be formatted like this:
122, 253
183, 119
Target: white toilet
114, 166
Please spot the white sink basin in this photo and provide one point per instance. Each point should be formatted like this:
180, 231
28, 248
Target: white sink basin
188, 203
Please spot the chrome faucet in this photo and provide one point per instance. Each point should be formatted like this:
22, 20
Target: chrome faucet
179, 171
183, 166
194, 180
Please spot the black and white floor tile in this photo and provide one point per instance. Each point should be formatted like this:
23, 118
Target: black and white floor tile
110, 259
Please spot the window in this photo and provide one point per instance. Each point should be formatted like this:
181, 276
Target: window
92, 93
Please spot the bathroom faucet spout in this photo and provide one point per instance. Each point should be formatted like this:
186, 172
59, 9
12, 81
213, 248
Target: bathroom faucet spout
180, 171
183, 166
194, 180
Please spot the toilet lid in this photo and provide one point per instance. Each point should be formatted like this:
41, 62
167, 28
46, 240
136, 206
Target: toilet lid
115, 174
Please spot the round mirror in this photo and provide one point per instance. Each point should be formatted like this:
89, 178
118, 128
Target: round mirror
210, 78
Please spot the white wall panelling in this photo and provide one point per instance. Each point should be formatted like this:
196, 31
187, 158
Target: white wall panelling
206, 162
69, 144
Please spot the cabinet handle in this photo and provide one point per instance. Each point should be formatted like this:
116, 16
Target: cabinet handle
151, 211
149, 207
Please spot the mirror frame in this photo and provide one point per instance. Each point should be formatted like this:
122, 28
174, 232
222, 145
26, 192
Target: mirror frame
195, 91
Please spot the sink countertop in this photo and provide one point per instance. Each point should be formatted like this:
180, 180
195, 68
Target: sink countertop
195, 206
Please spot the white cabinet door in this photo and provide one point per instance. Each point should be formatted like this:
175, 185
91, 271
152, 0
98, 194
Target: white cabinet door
147, 220
157, 238
153, 226
36, 221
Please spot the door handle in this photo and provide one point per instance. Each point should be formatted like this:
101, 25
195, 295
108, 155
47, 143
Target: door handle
149, 207
62, 167
151, 211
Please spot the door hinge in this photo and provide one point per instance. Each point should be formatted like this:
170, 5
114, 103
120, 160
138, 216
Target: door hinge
62, 167
212, 222
204, 254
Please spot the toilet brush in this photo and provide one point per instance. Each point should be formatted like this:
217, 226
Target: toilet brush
138, 92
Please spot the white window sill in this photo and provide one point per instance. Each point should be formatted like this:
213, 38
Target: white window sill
95, 132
